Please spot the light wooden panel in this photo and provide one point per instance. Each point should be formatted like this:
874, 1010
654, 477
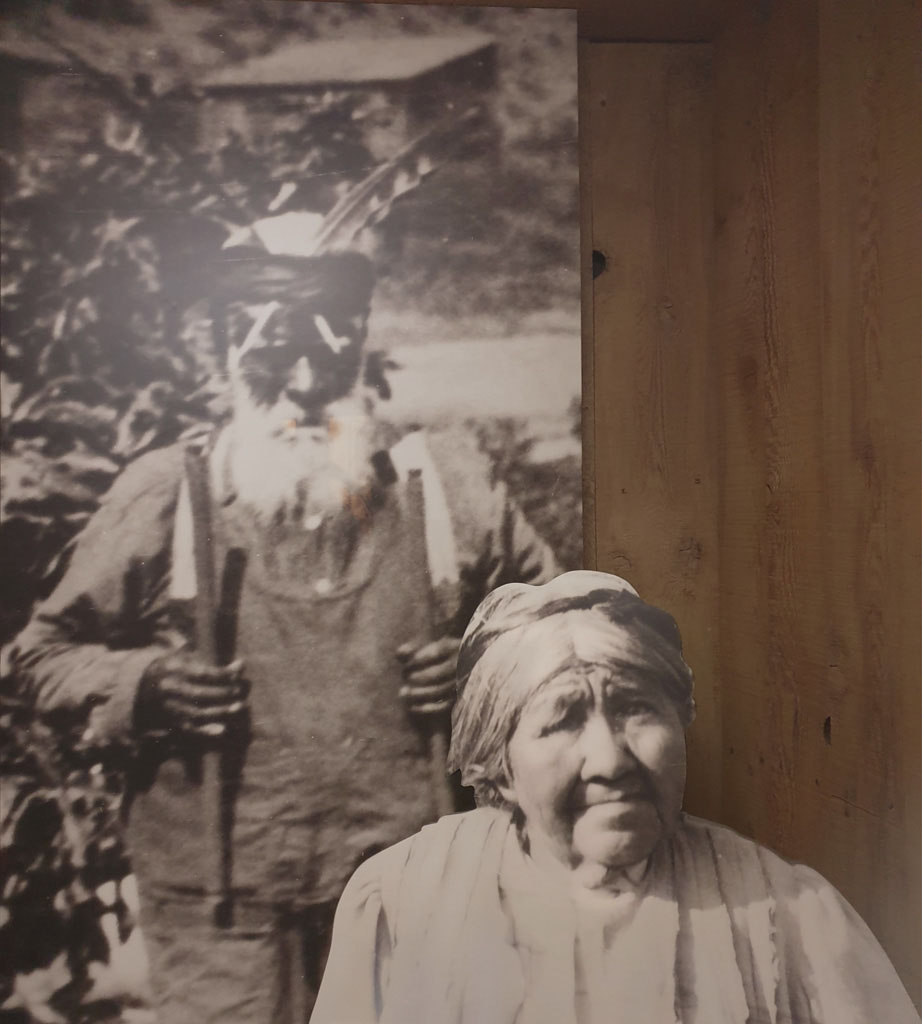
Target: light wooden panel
817, 332
768, 326
647, 114
870, 183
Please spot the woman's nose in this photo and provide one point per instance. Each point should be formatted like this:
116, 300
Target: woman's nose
604, 748
300, 380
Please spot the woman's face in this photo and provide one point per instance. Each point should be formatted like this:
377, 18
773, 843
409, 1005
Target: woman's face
598, 763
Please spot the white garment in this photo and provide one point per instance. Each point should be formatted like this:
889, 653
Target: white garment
454, 926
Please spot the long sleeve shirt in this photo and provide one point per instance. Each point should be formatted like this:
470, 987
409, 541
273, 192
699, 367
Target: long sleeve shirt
333, 768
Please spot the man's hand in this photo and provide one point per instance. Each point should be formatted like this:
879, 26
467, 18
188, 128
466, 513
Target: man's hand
181, 692
429, 674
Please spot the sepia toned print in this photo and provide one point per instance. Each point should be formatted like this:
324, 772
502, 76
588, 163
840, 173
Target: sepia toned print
578, 891
291, 357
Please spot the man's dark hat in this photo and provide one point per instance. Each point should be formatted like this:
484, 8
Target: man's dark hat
279, 258
336, 281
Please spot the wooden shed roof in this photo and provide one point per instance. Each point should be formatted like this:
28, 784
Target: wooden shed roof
347, 62
23, 49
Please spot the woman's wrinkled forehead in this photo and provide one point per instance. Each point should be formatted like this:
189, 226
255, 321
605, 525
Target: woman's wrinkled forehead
535, 654
523, 635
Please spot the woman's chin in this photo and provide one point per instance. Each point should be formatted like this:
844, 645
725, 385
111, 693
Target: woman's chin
617, 835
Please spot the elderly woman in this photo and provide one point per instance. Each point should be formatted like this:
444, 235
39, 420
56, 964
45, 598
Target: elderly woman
578, 892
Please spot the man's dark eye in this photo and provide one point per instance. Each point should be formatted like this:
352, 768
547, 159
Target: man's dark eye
265, 374
274, 358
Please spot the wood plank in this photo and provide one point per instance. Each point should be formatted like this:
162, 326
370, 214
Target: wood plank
870, 169
658, 21
649, 116
766, 328
817, 330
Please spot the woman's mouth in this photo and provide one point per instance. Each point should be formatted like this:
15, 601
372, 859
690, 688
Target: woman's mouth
599, 796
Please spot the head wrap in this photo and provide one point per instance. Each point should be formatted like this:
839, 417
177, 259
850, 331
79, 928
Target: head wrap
522, 635
339, 282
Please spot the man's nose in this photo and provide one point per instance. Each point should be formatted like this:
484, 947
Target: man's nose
605, 750
300, 381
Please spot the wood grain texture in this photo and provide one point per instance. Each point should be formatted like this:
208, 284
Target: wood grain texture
648, 117
870, 119
768, 318
817, 332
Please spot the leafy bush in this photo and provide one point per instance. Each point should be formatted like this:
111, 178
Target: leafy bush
548, 492
61, 844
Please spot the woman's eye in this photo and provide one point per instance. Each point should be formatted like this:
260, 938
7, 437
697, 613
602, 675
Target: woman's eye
639, 707
568, 718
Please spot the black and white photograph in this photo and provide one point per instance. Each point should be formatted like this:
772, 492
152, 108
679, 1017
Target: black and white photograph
291, 382
416, 612
578, 890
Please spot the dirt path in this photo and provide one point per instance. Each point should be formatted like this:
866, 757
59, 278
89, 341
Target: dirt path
534, 377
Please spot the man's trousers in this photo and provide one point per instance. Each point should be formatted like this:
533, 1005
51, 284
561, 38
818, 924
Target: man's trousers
265, 968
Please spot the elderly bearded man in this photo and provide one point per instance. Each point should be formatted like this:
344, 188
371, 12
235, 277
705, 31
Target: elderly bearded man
322, 629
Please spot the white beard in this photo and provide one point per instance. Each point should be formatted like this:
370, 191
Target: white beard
302, 473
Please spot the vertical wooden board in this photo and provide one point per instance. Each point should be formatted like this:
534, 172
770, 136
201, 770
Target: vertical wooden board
816, 334
649, 116
767, 323
868, 771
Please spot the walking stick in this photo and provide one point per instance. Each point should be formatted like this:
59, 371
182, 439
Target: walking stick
436, 735
217, 845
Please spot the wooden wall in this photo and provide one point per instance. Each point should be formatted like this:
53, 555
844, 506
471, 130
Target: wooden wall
651, 441
816, 330
755, 380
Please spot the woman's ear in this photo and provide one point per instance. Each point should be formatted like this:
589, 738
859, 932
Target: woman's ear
504, 785
507, 791
475, 776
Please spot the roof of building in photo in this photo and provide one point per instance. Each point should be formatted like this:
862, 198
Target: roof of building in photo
348, 62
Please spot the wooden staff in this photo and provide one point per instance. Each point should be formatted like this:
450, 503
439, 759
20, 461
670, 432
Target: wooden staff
217, 840
436, 734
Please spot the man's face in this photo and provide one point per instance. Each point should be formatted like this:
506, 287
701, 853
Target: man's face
289, 363
597, 762
303, 433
